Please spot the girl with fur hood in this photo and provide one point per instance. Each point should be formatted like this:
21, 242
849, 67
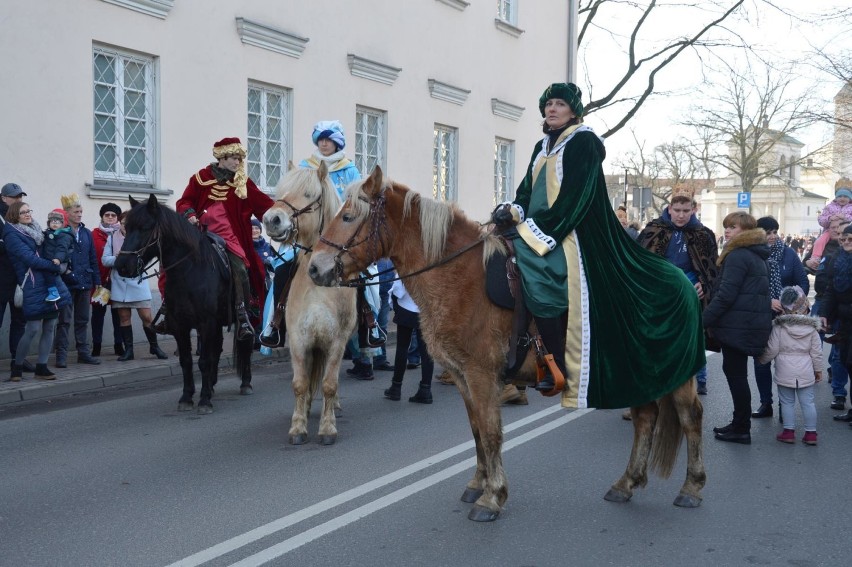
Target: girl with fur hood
740, 314
796, 348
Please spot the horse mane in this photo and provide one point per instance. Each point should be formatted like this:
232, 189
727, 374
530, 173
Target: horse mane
436, 219
173, 227
306, 181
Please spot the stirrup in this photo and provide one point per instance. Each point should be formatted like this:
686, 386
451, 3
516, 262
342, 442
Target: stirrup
271, 336
159, 326
244, 329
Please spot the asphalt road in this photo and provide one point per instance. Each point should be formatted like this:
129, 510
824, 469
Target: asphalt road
122, 478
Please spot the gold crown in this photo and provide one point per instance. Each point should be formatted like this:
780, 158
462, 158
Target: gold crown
843, 183
683, 190
70, 201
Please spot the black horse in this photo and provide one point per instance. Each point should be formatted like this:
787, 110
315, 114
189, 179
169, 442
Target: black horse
198, 293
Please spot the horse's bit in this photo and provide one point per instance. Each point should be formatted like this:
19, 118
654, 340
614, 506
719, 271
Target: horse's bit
315, 205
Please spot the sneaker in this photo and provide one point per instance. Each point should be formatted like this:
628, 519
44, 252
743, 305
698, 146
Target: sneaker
53, 296
810, 438
702, 388
786, 436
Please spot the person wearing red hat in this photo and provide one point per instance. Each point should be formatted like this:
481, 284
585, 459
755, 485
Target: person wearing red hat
222, 198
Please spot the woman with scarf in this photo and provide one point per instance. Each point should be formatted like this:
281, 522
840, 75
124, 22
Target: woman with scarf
23, 237
836, 306
785, 270
109, 223
740, 314
127, 294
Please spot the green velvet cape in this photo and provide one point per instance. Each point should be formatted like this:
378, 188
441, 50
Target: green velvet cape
634, 319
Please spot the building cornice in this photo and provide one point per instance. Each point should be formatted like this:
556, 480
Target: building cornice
457, 4
449, 93
372, 70
508, 28
506, 109
156, 8
273, 39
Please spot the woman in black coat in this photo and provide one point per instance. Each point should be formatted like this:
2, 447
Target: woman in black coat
23, 238
740, 314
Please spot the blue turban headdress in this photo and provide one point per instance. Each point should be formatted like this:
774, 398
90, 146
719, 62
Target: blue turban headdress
331, 129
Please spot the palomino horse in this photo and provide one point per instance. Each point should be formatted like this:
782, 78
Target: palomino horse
197, 294
469, 335
319, 320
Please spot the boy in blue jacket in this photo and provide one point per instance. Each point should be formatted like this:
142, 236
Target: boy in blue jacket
57, 246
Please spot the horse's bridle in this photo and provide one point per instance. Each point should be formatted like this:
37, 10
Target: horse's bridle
375, 238
315, 205
154, 240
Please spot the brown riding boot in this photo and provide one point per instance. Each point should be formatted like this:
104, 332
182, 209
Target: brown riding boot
511, 395
244, 329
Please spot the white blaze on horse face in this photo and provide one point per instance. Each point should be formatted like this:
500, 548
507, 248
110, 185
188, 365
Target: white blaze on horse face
278, 224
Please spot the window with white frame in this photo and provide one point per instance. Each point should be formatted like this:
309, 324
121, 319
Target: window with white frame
444, 157
124, 117
370, 139
268, 142
507, 10
504, 164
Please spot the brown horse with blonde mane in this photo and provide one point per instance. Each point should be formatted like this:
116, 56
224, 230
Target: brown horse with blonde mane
319, 320
469, 335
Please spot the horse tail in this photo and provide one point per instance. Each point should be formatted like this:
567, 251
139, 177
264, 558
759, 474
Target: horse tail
319, 358
242, 356
668, 434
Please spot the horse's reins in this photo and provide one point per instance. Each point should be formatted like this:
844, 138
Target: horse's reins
153, 240
379, 221
309, 208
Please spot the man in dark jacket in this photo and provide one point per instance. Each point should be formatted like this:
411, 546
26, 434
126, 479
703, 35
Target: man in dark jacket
82, 279
740, 314
681, 239
10, 193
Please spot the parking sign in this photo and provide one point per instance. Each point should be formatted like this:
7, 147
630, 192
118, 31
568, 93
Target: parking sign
743, 200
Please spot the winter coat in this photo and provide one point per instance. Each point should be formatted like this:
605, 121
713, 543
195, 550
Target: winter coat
820, 274
124, 290
834, 209
7, 271
99, 236
34, 274
84, 264
796, 348
793, 271
341, 171
740, 314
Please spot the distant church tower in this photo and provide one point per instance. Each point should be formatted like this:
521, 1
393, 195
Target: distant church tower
842, 158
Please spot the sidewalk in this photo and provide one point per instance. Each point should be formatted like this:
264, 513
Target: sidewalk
86, 377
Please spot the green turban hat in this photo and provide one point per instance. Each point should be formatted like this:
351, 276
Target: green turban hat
569, 92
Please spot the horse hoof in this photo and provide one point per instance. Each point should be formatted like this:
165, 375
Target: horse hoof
617, 496
687, 501
471, 495
327, 439
482, 514
246, 391
185, 406
299, 439
205, 410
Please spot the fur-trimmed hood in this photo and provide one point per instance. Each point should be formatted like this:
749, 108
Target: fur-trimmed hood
792, 320
755, 237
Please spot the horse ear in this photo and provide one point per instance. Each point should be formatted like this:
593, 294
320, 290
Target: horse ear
133, 202
290, 166
373, 185
322, 172
153, 204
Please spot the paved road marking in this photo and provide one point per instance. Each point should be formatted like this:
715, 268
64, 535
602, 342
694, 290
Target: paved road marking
265, 530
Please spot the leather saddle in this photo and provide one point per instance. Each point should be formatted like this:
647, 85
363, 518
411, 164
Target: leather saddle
224, 266
503, 287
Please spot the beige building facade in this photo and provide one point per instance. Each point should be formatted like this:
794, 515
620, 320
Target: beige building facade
107, 98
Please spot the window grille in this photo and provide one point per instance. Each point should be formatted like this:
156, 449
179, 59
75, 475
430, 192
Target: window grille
504, 164
370, 139
124, 117
268, 142
507, 10
445, 152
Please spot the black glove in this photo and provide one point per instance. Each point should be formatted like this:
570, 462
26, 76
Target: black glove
502, 216
510, 233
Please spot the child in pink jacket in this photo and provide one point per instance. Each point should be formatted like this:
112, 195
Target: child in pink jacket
797, 350
841, 206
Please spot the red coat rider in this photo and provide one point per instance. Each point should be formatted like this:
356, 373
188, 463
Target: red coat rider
223, 199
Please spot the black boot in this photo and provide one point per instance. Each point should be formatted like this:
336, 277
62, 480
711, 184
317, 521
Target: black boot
552, 332
118, 348
43, 373
361, 370
765, 410
127, 336
274, 333
395, 391
244, 329
18, 372
423, 395
96, 349
847, 417
152, 342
